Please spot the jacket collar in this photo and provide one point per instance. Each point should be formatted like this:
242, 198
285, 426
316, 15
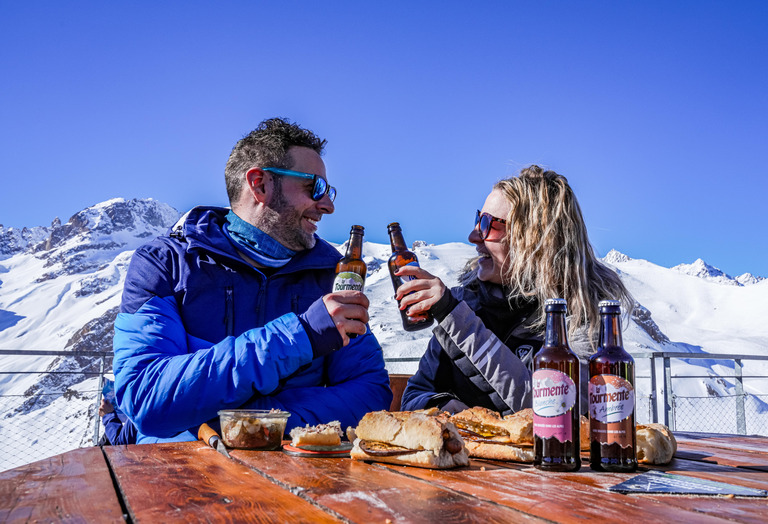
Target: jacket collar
202, 228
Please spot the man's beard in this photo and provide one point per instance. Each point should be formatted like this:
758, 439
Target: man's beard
283, 222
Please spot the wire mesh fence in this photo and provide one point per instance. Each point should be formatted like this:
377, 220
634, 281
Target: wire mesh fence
719, 414
66, 422
643, 408
44, 412
49, 403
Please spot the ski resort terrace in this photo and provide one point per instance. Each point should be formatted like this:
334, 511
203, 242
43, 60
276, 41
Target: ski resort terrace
56, 408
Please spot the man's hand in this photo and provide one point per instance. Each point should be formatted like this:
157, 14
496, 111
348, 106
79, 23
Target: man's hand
349, 311
106, 407
421, 294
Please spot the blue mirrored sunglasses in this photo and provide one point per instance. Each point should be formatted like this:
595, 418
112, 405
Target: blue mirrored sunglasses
319, 185
486, 221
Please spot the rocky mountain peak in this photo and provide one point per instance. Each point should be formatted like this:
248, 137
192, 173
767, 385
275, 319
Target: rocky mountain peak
96, 235
747, 279
138, 217
14, 240
703, 270
615, 257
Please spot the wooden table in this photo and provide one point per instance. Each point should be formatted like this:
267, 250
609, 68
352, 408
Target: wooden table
189, 482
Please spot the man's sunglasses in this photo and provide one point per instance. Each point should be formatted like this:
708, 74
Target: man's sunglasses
486, 223
319, 187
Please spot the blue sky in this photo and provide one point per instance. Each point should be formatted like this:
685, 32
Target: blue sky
656, 112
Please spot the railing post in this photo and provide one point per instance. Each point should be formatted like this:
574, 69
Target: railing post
654, 394
97, 418
669, 402
741, 419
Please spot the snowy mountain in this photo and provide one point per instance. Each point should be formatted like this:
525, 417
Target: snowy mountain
14, 241
703, 270
60, 289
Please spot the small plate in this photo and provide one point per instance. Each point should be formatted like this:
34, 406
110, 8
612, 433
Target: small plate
319, 451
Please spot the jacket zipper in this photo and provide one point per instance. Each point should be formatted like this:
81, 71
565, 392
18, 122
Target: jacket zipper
229, 311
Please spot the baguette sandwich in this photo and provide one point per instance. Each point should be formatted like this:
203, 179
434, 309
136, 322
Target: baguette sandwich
488, 435
415, 438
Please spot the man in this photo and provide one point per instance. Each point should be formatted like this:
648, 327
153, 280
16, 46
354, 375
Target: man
232, 309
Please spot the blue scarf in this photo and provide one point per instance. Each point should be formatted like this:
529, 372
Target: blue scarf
255, 243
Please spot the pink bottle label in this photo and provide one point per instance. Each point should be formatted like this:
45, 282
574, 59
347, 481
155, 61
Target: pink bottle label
554, 396
611, 406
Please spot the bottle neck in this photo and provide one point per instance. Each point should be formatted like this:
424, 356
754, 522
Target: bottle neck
556, 334
355, 247
610, 331
396, 240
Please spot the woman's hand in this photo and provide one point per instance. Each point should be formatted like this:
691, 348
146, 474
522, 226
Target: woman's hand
419, 295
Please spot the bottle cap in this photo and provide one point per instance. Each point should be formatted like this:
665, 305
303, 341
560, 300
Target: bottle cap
550, 301
555, 304
609, 303
610, 306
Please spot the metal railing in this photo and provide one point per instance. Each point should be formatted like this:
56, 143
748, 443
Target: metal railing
667, 411
657, 398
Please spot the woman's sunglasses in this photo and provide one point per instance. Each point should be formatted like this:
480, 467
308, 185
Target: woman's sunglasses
319, 185
486, 223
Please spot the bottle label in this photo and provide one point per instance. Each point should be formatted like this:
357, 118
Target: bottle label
421, 317
408, 278
347, 280
554, 397
611, 406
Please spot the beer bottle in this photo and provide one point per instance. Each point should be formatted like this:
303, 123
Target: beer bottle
401, 256
556, 416
351, 270
612, 397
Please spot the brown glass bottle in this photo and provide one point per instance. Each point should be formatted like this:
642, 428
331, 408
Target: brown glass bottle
401, 257
351, 270
612, 432
556, 415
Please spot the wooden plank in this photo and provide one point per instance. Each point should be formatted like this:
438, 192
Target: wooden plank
724, 457
574, 497
751, 444
738, 451
188, 481
72, 487
362, 492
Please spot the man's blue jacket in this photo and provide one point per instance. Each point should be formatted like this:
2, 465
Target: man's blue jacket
200, 330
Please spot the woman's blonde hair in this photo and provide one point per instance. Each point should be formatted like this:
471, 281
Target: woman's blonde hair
550, 255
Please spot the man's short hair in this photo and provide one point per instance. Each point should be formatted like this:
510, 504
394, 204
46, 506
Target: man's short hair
266, 146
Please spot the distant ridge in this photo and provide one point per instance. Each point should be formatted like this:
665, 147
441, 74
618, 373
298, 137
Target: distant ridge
710, 273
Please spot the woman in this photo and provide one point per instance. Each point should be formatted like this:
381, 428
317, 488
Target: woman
532, 245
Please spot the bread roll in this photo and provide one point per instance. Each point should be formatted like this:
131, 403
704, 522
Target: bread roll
655, 444
492, 451
584, 433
